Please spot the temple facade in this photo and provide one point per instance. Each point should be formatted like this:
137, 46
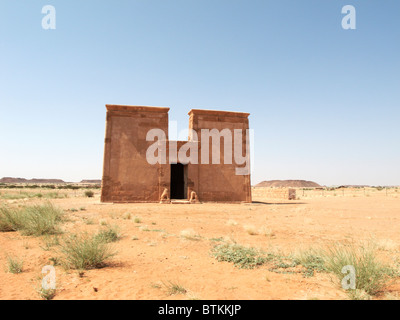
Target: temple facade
141, 164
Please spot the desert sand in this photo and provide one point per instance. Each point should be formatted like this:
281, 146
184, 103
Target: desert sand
171, 244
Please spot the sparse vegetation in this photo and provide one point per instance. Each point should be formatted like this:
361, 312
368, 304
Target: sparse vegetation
9, 219
267, 232
50, 241
232, 223
126, 216
88, 221
312, 261
111, 234
174, 288
40, 220
30, 195
89, 193
55, 261
220, 239
250, 229
190, 234
84, 252
242, 257
371, 275
35, 220
376, 265
14, 265
155, 286
47, 294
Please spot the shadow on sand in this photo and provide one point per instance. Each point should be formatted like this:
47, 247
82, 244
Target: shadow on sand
273, 203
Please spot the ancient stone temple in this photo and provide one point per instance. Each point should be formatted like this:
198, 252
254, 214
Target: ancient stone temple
142, 165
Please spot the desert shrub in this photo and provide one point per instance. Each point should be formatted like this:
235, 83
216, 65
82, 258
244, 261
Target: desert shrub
242, 257
126, 216
88, 221
32, 186
31, 195
312, 261
371, 275
89, 193
174, 288
71, 187
35, 220
267, 232
50, 241
9, 219
84, 252
17, 196
220, 239
55, 195
55, 261
111, 234
251, 230
40, 220
190, 234
47, 294
14, 265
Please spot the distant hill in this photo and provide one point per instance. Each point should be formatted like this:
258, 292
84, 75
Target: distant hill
288, 184
22, 180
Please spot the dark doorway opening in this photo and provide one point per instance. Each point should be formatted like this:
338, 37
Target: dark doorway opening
178, 181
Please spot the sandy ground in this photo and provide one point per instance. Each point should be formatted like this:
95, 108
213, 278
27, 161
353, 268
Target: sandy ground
154, 251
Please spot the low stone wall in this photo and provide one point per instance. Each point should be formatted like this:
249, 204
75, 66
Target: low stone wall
261, 193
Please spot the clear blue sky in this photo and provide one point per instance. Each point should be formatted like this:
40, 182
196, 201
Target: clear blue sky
324, 101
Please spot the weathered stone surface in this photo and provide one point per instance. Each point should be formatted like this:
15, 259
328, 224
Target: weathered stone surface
263, 193
128, 177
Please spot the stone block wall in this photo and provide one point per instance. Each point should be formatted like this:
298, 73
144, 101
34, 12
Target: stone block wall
261, 193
